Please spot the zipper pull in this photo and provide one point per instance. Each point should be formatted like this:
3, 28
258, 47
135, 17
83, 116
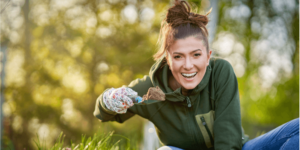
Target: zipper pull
188, 102
203, 120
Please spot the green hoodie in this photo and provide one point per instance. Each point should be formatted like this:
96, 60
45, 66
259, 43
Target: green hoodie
208, 118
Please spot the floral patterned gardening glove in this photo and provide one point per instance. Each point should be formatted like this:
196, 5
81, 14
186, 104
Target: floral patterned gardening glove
117, 100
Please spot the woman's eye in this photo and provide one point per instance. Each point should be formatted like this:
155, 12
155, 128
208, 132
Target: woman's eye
197, 54
176, 57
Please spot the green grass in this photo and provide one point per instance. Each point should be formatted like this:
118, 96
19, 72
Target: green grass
107, 141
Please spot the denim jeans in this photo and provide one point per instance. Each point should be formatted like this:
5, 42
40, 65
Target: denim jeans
284, 137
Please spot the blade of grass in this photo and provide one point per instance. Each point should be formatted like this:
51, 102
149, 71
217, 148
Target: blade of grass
37, 143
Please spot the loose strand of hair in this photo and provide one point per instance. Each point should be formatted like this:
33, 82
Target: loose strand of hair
186, 7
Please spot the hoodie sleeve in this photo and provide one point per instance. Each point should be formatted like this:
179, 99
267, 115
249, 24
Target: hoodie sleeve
227, 125
141, 86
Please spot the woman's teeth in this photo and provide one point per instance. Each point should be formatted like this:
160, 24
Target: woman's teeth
188, 75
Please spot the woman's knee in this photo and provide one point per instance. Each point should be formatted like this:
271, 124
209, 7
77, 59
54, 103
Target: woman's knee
294, 122
293, 126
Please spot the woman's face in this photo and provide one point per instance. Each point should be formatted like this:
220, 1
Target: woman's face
187, 59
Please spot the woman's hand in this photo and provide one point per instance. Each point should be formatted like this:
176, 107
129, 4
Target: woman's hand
117, 100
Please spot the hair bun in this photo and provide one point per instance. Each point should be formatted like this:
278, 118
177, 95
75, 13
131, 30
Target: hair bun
181, 13
181, 23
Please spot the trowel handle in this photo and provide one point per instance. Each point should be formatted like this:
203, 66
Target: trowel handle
136, 99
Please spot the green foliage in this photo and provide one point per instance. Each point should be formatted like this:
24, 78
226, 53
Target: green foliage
107, 141
264, 107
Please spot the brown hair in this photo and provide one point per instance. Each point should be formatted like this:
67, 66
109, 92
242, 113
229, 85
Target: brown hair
181, 23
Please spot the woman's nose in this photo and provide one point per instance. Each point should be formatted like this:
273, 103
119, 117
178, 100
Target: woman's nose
188, 65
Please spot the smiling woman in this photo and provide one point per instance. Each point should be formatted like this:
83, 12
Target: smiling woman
202, 105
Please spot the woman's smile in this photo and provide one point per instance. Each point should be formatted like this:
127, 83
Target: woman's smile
189, 75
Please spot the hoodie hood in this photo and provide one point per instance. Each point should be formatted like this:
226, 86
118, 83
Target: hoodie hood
159, 74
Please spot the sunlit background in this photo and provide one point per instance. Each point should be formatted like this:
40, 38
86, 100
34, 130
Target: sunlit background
58, 56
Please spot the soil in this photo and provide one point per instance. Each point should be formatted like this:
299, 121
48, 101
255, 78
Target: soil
154, 93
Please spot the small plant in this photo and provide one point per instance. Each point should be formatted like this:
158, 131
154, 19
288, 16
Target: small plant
107, 141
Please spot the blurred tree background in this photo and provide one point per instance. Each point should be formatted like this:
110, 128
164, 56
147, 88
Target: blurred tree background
58, 56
